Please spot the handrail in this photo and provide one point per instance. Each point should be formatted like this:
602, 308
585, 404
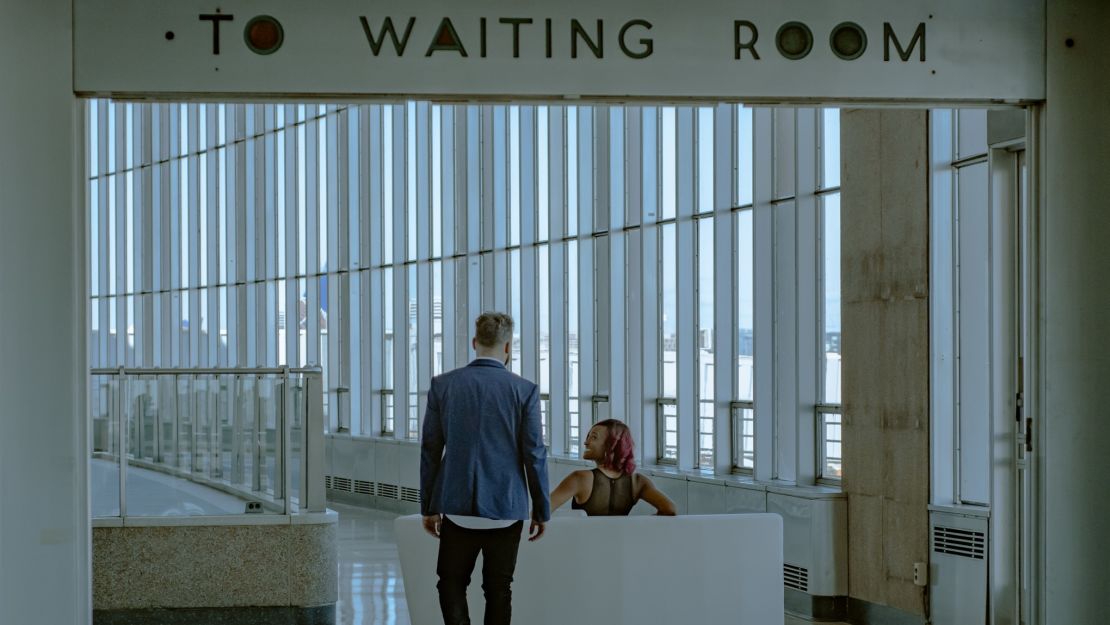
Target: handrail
239, 407
201, 370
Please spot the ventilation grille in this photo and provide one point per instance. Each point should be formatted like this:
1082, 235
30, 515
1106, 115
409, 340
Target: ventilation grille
341, 483
410, 494
363, 487
389, 491
959, 542
327, 481
795, 577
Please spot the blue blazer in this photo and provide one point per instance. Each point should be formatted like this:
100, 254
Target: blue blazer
481, 450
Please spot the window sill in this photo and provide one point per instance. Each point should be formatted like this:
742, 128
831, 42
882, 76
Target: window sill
376, 439
982, 512
818, 491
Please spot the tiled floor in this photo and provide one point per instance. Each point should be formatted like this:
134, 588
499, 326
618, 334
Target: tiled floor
371, 590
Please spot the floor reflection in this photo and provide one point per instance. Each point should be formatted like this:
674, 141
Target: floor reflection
371, 590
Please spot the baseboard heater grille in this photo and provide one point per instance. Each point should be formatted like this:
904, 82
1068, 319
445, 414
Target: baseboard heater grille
327, 481
410, 494
959, 542
363, 487
341, 483
389, 491
795, 577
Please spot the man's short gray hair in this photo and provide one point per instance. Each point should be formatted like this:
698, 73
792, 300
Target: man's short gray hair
493, 329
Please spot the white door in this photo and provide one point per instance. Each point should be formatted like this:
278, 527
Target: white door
1013, 471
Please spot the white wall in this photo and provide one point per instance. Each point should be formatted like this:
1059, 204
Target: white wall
44, 528
1076, 263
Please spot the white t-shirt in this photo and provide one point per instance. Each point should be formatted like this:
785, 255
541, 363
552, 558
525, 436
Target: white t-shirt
479, 523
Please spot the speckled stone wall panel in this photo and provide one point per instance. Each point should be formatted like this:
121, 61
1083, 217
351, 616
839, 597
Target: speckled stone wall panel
885, 316
313, 564
214, 566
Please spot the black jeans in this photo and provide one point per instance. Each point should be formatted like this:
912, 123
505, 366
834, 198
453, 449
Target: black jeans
458, 551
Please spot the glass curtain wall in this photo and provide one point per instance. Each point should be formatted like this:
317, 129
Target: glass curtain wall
365, 238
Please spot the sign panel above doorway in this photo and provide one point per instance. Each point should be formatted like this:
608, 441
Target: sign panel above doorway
804, 50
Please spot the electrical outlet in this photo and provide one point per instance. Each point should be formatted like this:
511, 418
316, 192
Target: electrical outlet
920, 574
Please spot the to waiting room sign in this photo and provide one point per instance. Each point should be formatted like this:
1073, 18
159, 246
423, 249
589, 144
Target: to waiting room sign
768, 50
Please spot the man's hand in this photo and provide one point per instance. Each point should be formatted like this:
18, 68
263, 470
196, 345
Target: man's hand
431, 524
535, 530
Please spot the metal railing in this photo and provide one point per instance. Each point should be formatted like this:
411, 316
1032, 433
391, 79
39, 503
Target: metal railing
666, 416
545, 419
830, 462
574, 426
706, 424
254, 433
743, 436
387, 412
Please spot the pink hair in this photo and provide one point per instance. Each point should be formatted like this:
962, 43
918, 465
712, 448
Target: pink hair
620, 450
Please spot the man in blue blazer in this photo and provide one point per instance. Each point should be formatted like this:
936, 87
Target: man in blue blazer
482, 458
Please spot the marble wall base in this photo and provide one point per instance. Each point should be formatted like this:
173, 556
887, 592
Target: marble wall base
319, 615
288, 565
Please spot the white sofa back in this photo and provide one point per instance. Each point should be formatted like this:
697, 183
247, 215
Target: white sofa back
724, 568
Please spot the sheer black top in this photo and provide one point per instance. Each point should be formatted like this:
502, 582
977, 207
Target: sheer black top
609, 497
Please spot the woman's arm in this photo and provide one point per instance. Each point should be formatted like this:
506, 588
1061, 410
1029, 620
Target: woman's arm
649, 493
569, 487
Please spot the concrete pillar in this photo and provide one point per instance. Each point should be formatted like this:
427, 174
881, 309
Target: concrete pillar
1075, 451
885, 344
44, 526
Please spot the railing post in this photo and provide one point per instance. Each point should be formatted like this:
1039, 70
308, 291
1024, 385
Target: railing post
158, 422
121, 441
176, 424
236, 433
259, 437
196, 463
283, 468
299, 406
216, 431
140, 427
313, 498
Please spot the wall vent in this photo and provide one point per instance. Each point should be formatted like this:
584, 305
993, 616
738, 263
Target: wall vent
327, 481
363, 487
959, 542
389, 491
341, 483
410, 494
795, 577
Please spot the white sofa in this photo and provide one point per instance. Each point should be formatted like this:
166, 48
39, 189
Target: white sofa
719, 569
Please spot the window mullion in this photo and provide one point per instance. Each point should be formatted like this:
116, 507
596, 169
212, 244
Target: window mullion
724, 268
192, 256
212, 204
556, 160
400, 289
808, 263
687, 296
424, 300
764, 273
528, 324
370, 210
293, 236
311, 234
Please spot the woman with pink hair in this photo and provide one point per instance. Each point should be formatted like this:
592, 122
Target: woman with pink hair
614, 486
